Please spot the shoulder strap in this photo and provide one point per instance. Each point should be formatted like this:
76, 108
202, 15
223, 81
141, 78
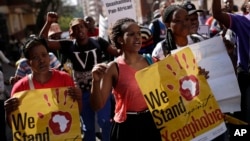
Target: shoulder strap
195, 38
157, 31
31, 84
149, 58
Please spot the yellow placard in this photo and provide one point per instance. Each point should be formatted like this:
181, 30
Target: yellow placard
46, 115
181, 101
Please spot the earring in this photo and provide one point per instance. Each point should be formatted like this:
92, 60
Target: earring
121, 43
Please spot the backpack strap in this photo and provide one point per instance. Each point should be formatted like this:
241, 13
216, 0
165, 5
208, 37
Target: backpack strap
149, 58
31, 84
157, 31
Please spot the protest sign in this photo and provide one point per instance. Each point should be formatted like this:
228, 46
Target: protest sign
204, 30
117, 9
103, 27
46, 114
181, 101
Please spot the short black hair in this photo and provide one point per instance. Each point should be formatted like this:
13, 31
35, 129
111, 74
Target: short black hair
32, 42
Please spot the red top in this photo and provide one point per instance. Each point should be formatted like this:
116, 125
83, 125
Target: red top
127, 93
95, 33
58, 79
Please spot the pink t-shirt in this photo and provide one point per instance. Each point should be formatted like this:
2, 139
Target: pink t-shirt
127, 93
58, 79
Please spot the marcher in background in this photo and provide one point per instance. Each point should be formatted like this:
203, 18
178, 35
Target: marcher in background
55, 31
5, 60
157, 27
84, 52
240, 25
247, 14
132, 120
216, 28
93, 30
243, 8
23, 68
14, 48
177, 22
35, 51
203, 16
3, 96
194, 21
3, 43
147, 41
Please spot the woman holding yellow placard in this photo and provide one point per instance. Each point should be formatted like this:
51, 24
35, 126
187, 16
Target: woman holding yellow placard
35, 51
176, 19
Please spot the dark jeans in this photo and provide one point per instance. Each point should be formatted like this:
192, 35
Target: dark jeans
136, 128
103, 119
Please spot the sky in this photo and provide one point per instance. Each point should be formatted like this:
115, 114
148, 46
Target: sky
72, 2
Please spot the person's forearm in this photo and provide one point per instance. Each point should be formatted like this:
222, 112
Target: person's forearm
45, 30
96, 98
220, 16
216, 8
8, 119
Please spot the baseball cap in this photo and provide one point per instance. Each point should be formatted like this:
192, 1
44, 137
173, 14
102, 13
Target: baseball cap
74, 22
190, 8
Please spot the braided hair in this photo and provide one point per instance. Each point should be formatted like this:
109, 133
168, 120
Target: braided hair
169, 43
117, 30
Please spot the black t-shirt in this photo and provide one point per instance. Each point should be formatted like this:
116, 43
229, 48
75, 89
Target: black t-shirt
83, 58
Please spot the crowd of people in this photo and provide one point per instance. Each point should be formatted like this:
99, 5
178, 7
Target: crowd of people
102, 77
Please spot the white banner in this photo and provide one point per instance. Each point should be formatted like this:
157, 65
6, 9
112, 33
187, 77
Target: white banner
117, 9
103, 27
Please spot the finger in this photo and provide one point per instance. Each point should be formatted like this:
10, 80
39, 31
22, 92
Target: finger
100, 68
72, 93
206, 74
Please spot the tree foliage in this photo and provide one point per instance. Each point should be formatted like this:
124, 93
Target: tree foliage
66, 13
45, 6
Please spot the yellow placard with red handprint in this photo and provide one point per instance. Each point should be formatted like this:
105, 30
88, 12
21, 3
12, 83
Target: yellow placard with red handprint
181, 101
46, 115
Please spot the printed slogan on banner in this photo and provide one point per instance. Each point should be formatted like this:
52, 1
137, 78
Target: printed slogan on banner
46, 115
181, 101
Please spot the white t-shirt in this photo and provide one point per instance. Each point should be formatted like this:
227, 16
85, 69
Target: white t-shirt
158, 52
